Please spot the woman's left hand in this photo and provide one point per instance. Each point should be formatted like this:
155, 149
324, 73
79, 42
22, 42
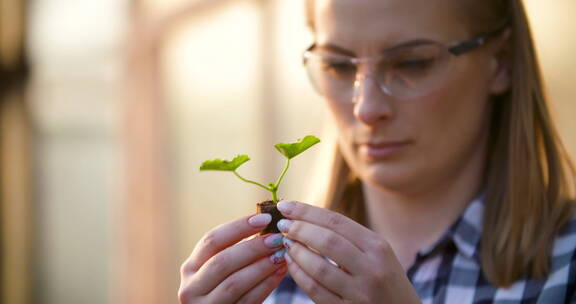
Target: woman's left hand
367, 272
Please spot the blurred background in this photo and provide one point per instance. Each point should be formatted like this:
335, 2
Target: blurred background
108, 107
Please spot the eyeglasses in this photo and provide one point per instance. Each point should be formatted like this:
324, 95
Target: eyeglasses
404, 72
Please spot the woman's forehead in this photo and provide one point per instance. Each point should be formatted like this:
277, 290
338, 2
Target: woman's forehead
379, 24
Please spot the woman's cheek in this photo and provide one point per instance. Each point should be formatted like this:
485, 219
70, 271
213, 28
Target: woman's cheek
452, 125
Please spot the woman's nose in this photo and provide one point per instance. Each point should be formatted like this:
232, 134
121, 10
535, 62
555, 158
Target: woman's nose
371, 103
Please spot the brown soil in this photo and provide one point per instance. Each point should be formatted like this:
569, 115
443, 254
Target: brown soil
270, 207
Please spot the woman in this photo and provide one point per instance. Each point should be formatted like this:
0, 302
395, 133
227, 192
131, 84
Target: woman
450, 184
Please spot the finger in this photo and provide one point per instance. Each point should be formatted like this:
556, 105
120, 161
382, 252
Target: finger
319, 269
359, 235
224, 236
233, 258
259, 293
240, 283
312, 288
326, 242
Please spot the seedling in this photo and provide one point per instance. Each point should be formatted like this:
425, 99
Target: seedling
289, 150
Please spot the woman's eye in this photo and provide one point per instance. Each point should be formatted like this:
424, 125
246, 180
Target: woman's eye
414, 65
340, 68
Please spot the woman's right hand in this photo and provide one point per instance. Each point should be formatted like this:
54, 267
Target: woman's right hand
221, 269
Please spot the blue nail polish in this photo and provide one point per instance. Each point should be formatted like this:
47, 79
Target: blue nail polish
287, 242
278, 256
274, 240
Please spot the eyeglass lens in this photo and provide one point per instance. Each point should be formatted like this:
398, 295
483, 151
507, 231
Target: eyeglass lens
404, 73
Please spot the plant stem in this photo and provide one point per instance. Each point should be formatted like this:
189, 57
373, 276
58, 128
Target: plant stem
283, 173
252, 182
275, 188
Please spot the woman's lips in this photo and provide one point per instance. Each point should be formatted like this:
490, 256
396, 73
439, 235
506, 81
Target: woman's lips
381, 150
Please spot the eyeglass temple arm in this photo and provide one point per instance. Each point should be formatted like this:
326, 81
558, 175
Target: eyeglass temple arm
470, 45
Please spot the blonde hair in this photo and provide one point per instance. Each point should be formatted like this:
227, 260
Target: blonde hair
529, 180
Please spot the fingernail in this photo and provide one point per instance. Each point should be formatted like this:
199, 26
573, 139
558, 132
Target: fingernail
285, 207
278, 256
287, 242
284, 225
273, 241
288, 258
260, 220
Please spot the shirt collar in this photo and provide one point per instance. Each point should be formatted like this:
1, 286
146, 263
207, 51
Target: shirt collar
464, 233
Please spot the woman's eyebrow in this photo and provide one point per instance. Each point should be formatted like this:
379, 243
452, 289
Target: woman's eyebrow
408, 44
340, 50
333, 49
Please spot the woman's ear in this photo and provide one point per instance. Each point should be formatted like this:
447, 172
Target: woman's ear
501, 65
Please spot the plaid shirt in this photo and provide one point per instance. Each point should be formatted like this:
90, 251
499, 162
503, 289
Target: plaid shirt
450, 270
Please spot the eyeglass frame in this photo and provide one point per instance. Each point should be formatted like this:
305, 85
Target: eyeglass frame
457, 49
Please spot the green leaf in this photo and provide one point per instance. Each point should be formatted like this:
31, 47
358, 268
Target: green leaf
224, 165
293, 149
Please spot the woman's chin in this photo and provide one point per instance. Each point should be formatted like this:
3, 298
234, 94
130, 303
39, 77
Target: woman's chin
388, 176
